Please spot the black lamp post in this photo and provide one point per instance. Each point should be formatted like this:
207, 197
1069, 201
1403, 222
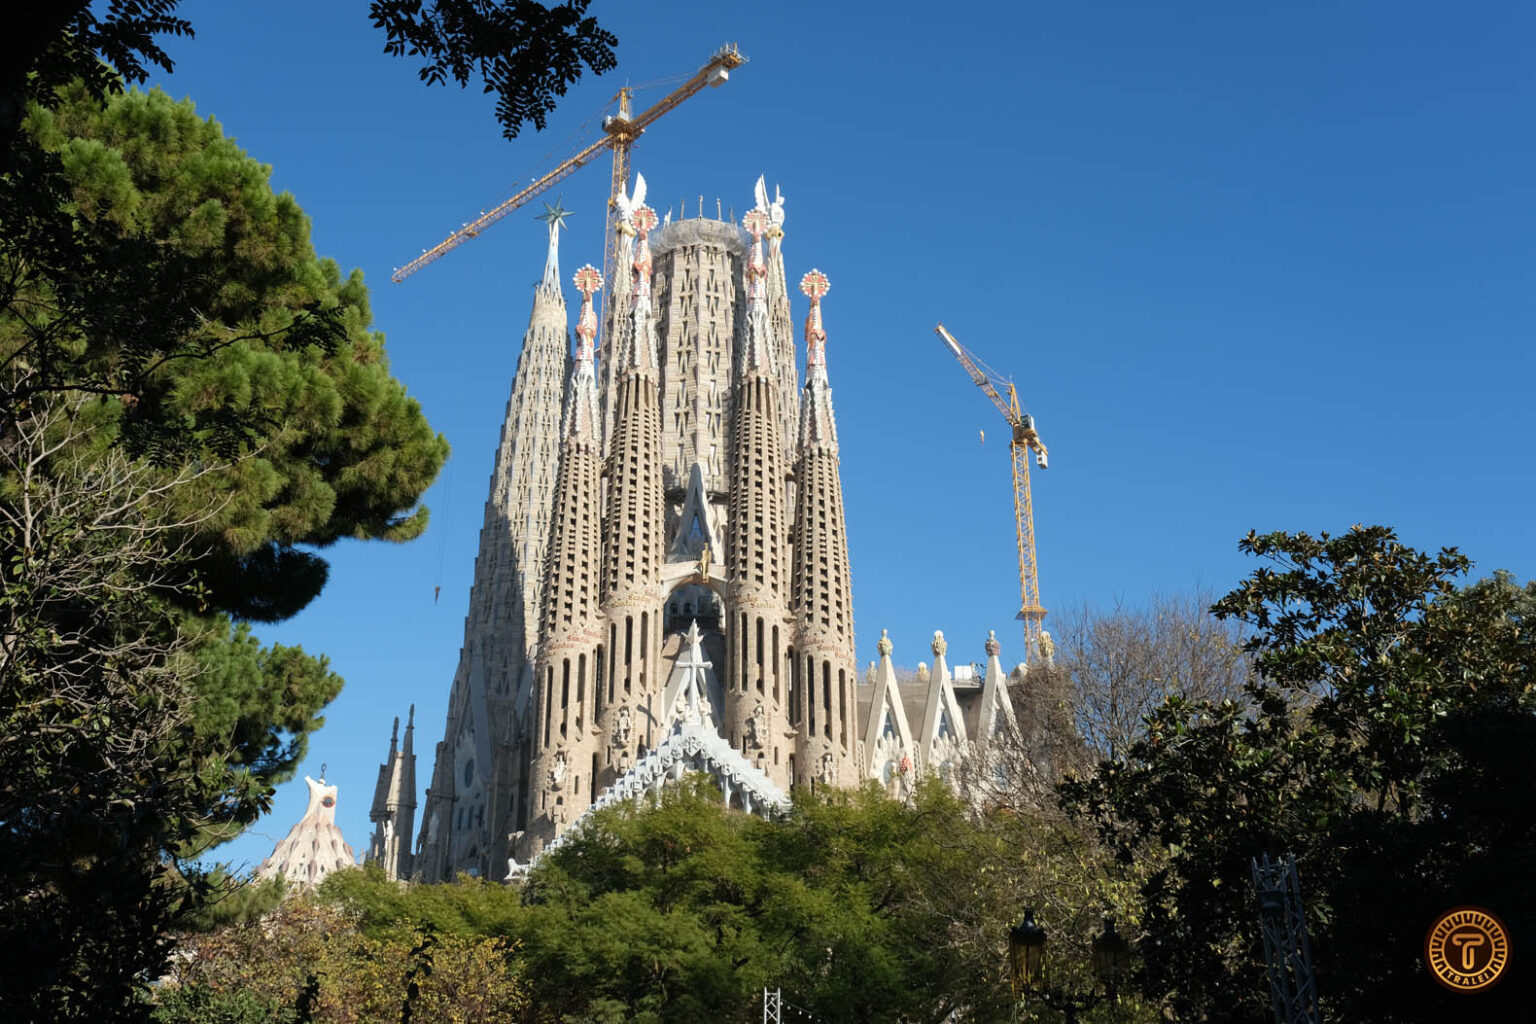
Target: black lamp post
1026, 953
1111, 955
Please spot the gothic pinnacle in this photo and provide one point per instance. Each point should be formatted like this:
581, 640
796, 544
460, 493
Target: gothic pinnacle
759, 353
815, 284
642, 219
588, 281
581, 401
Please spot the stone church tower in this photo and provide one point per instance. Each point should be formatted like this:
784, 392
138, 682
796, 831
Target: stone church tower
477, 772
663, 581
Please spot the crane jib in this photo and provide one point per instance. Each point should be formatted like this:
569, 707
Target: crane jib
620, 133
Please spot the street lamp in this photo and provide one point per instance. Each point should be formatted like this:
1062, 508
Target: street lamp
1111, 955
1026, 953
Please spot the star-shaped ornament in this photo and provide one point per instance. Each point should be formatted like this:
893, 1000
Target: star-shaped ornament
554, 215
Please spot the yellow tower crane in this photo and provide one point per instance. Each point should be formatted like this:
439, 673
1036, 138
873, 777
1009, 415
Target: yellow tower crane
1024, 440
619, 134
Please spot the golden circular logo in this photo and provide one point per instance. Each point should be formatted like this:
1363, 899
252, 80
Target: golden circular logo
1467, 949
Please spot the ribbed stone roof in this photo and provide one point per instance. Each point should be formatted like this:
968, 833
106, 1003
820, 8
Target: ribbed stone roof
314, 847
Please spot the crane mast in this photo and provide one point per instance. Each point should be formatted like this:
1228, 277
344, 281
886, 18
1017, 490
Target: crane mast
619, 135
1024, 441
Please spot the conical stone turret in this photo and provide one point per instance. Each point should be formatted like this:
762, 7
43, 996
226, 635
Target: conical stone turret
825, 706
757, 535
634, 527
567, 695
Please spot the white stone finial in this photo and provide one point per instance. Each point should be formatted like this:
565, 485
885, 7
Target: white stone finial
884, 644
314, 847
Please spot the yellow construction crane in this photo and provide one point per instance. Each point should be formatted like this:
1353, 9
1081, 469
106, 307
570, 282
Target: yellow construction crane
619, 134
1024, 441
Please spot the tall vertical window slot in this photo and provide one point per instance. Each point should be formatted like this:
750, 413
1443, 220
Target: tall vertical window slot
842, 704
549, 700
826, 696
774, 654
794, 687
759, 654
629, 642
597, 684
613, 645
565, 694
581, 689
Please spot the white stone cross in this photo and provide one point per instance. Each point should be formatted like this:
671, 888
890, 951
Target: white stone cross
693, 699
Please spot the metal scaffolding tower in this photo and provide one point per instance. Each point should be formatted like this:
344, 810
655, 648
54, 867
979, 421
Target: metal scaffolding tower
1292, 987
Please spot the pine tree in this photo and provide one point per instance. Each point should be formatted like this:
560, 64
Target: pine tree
190, 403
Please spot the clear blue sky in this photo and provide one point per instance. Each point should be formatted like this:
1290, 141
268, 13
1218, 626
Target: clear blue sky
1251, 268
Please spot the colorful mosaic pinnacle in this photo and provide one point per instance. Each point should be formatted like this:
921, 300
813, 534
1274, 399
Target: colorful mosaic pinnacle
815, 285
588, 280
756, 223
644, 219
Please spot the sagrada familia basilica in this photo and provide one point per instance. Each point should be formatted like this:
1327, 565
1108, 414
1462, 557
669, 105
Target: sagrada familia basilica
662, 583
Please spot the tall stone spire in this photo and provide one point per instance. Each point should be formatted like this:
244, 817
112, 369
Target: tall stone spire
566, 697
620, 323
465, 818
780, 321
825, 708
554, 216
757, 534
394, 806
634, 524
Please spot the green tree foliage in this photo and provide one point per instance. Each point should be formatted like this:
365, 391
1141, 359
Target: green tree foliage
383, 909
308, 960
859, 906
190, 404
525, 52
1386, 740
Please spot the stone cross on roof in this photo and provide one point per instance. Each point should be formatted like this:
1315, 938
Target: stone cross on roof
693, 699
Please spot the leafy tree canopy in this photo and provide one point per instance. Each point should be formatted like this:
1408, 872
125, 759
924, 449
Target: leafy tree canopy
190, 404
1386, 740
859, 906
526, 53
